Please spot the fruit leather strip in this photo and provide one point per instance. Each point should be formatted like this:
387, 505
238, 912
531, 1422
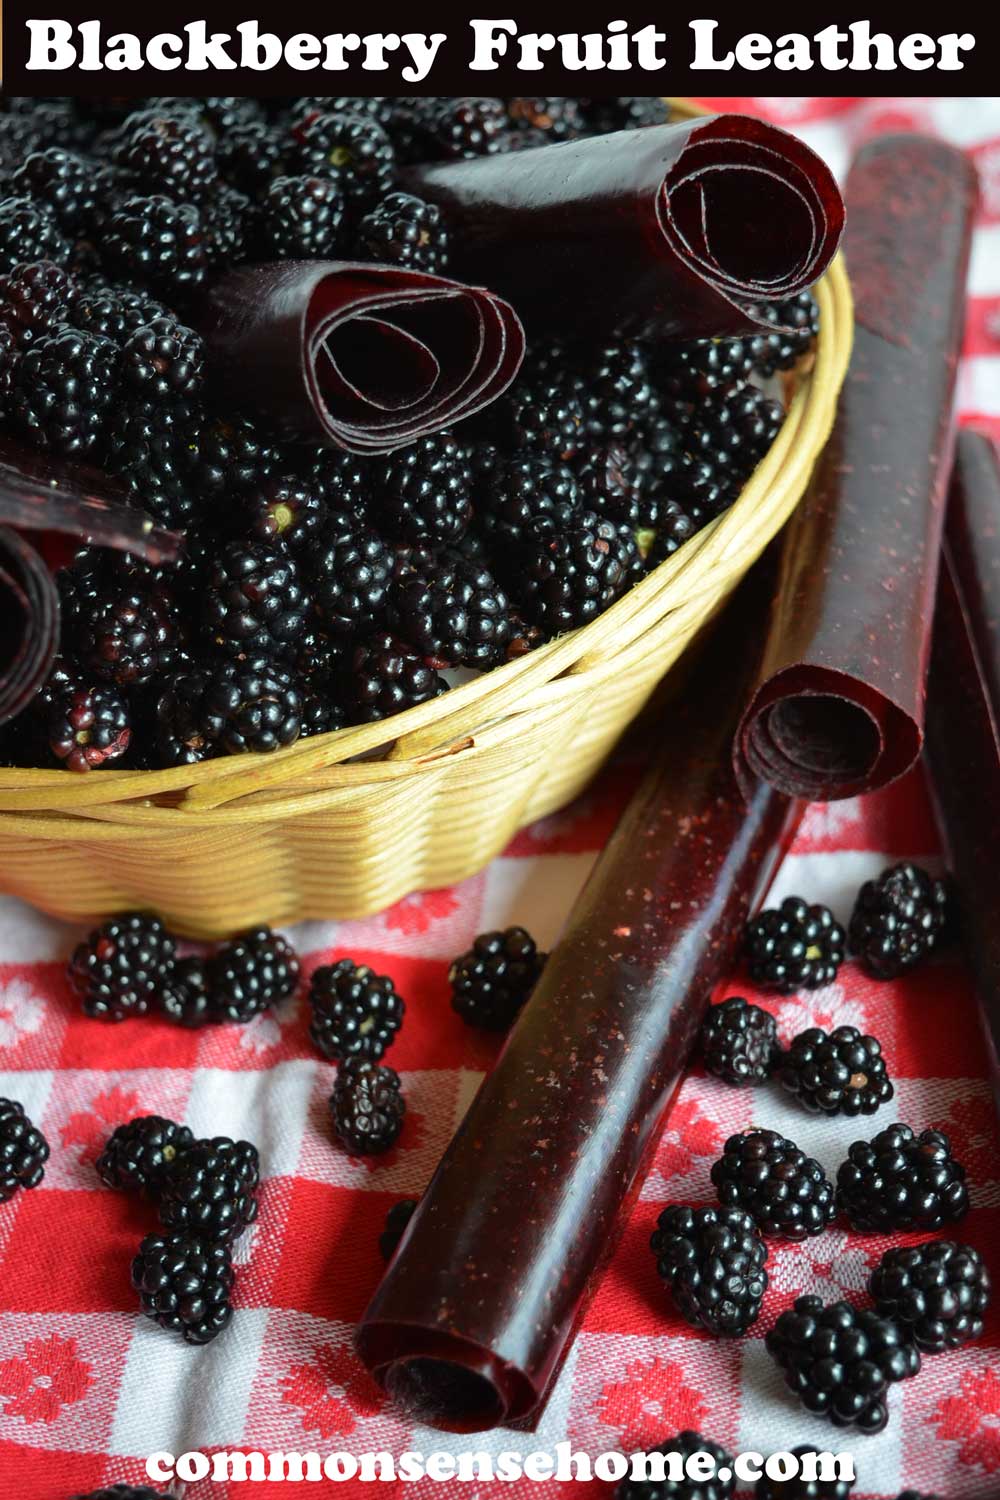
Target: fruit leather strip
655, 232
475, 1313
29, 622
365, 357
839, 706
963, 711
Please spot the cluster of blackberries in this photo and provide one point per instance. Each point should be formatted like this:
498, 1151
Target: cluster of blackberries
316, 589
356, 1014
205, 1192
129, 966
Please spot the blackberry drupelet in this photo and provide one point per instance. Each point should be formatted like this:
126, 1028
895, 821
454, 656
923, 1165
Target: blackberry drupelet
796, 324
396, 1221
712, 1260
84, 725
466, 127
900, 1180
157, 243
282, 507
491, 982
938, 1292
353, 152
555, 119
739, 1042
184, 1284
525, 494
254, 605
898, 920
115, 312
403, 230
23, 1150
349, 570
170, 153
786, 1192
185, 998
210, 1190
685, 1445
257, 969
453, 611
626, 113
367, 1107
122, 966
119, 617
836, 1073
299, 219
840, 1361
29, 232
423, 491
164, 361
801, 1488
387, 676
355, 1012
794, 947
569, 578
36, 299
138, 1155
251, 155
63, 389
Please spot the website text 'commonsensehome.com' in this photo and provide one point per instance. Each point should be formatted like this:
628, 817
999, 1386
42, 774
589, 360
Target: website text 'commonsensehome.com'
560, 1463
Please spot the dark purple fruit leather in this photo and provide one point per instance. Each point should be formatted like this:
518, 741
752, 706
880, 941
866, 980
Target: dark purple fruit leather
475, 1313
839, 705
363, 357
661, 232
963, 712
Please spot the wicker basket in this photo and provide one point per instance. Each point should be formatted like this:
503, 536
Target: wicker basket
312, 831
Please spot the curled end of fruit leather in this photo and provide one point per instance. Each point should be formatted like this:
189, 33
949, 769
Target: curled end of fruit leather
671, 231
363, 357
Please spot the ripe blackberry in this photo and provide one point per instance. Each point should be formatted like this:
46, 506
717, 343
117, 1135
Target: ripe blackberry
349, 569
685, 1445
257, 969
29, 232
282, 507
299, 219
898, 920
801, 1488
18, 138
122, 965
938, 1292
620, 395
466, 127
227, 223
119, 617
672, 527
148, 445
900, 1180
251, 155
840, 1361
115, 312
355, 1012
23, 1150
184, 1284
230, 454
367, 1107
164, 360
342, 480
569, 578
796, 324
627, 113
731, 431
323, 706
35, 300
491, 982
739, 1042
210, 1190
157, 243
138, 1155
836, 1073
525, 494
794, 947
396, 1221
169, 153
185, 997
354, 153
84, 725
546, 411
712, 1260
424, 490
786, 1192
555, 119
254, 605
64, 387
387, 676
690, 372
453, 610
404, 231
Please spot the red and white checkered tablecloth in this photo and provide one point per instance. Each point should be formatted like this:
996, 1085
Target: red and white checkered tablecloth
88, 1387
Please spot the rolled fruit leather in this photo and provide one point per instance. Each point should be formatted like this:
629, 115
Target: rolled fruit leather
476, 1311
963, 714
839, 704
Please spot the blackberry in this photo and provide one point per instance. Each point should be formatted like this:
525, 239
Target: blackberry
786, 1192
250, 156
354, 153
491, 982
387, 676
323, 706
620, 395
836, 1073
466, 127
424, 490
18, 139
257, 969
210, 1190
796, 324
453, 611
731, 431
349, 569
185, 997
367, 1107
355, 1012
184, 1284
712, 1259
299, 219
684, 1445
157, 243
148, 444
64, 387
672, 527
115, 312
84, 725
396, 1221
342, 480
282, 507
569, 578
123, 1492
900, 1180
36, 300
29, 232
525, 494
366, 107
122, 965
404, 231
739, 1042
169, 153
794, 947
138, 1155
227, 223
164, 360
938, 1292
547, 412
230, 454
119, 617
23, 1150
555, 119
801, 1488
627, 113
840, 1361
898, 920
693, 371
254, 605
410, 123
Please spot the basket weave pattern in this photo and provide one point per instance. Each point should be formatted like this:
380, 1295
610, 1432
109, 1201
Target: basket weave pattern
312, 831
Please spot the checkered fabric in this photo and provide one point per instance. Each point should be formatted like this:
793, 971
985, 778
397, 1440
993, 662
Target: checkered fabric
88, 1387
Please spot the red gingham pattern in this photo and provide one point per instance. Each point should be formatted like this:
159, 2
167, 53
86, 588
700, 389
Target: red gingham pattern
88, 1388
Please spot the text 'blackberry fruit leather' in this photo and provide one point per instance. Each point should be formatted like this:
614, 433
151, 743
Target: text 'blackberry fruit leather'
839, 706
561, 1130
360, 356
643, 232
